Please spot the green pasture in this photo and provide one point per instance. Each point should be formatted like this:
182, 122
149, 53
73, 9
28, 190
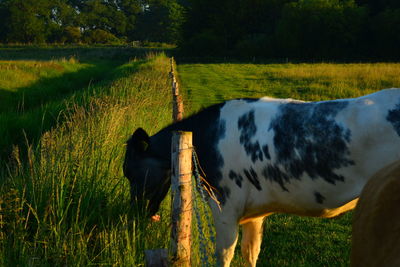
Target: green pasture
65, 114
212, 83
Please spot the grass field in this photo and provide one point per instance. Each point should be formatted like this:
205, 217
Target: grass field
66, 114
212, 83
291, 240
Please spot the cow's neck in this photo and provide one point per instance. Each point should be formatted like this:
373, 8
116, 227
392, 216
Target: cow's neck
207, 129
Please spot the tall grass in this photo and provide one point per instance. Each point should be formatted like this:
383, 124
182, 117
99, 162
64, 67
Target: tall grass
68, 203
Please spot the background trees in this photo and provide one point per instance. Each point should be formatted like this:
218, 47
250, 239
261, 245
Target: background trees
304, 29
89, 21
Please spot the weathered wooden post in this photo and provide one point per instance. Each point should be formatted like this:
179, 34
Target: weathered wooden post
181, 210
181, 186
177, 104
181, 198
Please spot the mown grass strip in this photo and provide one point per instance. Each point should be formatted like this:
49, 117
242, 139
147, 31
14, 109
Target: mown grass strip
33, 100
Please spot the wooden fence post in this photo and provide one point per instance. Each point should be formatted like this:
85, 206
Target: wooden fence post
177, 104
181, 191
181, 198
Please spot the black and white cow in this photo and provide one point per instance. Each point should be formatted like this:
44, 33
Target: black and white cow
269, 156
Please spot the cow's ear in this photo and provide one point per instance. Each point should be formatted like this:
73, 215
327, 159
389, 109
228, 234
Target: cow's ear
140, 140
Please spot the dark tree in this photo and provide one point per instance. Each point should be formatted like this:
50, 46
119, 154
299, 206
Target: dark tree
376, 6
320, 29
160, 21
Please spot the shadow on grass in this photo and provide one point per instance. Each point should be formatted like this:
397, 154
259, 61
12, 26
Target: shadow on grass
30, 111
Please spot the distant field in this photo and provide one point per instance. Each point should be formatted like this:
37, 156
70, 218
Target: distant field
212, 83
290, 240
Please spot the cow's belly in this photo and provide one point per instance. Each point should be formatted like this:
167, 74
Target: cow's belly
279, 208
304, 197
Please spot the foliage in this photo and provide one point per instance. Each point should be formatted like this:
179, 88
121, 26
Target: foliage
320, 29
58, 21
71, 35
99, 36
301, 29
385, 29
160, 21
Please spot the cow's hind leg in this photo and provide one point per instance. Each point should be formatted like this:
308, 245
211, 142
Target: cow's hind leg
251, 240
227, 235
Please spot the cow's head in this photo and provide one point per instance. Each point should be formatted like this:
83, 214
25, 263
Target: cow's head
148, 173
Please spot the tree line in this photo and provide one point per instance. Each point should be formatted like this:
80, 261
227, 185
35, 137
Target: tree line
89, 21
304, 29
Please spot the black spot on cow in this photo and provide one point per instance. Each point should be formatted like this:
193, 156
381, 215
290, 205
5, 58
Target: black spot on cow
223, 193
237, 178
266, 151
249, 100
273, 173
393, 117
308, 140
248, 129
319, 198
252, 176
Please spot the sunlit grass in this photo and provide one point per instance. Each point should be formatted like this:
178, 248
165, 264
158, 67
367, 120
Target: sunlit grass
69, 202
18, 74
33, 94
211, 83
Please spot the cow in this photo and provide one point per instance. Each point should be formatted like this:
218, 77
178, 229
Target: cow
266, 155
376, 221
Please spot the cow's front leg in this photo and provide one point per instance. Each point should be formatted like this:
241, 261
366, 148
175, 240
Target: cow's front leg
251, 240
227, 235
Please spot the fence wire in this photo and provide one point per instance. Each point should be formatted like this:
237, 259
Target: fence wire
205, 229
